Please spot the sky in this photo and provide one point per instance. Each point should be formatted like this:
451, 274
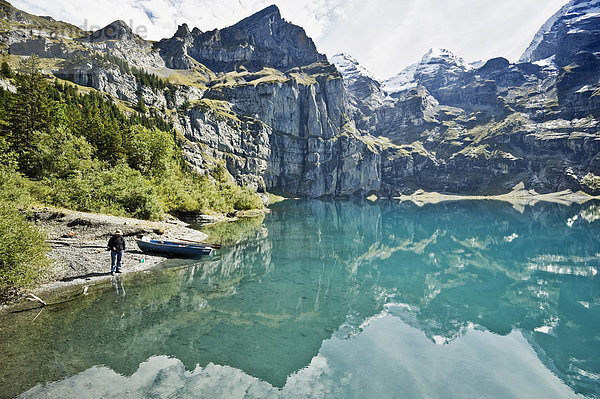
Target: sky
383, 35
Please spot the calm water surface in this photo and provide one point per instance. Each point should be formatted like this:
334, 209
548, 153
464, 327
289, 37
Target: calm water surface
339, 300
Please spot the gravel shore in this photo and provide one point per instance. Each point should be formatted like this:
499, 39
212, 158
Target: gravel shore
79, 244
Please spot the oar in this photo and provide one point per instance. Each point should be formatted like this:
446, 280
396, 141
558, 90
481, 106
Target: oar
215, 246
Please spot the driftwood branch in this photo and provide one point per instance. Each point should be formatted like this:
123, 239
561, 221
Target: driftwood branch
34, 298
85, 288
39, 313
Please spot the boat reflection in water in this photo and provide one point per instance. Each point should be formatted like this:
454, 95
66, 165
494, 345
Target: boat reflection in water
349, 299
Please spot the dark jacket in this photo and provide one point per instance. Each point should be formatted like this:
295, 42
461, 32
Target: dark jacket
116, 243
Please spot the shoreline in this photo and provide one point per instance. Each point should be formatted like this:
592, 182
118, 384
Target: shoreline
78, 242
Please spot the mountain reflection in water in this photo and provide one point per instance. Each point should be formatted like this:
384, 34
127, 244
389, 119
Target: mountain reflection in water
445, 286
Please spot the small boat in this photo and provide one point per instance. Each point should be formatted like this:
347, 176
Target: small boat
176, 248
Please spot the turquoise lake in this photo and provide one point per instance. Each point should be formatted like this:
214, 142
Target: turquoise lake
349, 299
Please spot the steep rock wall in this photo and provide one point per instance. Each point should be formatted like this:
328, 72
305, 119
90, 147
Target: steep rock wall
286, 137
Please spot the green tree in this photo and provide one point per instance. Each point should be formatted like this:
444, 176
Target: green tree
141, 104
6, 70
5, 100
151, 151
14, 187
105, 134
221, 174
60, 154
7, 157
30, 112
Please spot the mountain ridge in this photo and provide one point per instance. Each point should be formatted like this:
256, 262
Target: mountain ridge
584, 14
260, 98
262, 39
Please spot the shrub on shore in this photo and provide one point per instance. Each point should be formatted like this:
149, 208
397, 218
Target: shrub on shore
23, 246
23, 251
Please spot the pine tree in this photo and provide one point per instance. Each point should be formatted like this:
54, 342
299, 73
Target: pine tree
141, 104
6, 70
30, 112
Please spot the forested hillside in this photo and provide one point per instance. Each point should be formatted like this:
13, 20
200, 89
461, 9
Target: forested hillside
65, 147
78, 150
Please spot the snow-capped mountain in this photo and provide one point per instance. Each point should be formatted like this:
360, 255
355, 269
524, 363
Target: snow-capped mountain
575, 27
442, 56
405, 80
440, 125
351, 69
361, 83
437, 64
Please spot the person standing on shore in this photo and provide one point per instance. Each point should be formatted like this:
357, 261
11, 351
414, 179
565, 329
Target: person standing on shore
116, 244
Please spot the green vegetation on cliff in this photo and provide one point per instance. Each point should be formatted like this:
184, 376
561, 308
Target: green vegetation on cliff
83, 153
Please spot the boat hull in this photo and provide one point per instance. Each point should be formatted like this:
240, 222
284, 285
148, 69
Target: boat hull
174, 249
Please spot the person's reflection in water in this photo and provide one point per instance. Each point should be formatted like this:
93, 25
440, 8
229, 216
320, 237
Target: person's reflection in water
117, 283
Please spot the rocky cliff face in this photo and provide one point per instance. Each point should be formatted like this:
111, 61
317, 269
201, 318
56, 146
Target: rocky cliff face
572, 29
118, 39
263, 39
448, 126
570, 40
364, 92
294, 138
259, 98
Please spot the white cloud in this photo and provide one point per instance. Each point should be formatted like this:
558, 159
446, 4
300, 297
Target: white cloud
387, 359
384, 35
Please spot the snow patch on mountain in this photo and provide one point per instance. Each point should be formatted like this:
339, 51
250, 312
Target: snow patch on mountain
351, 69
477, 64
430, 64
443, 56
545, 62
405, 80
